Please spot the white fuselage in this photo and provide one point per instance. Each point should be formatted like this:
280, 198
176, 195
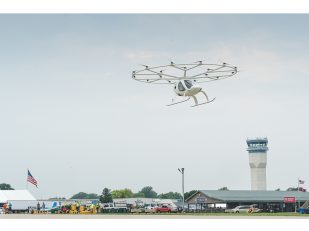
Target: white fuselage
186, 88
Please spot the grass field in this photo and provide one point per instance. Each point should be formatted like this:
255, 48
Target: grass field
250, 214
218, 214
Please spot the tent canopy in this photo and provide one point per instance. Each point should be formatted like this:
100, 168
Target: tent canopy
15, 195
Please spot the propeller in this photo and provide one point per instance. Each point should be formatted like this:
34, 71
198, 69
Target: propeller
199, 61
144, 66
224, 63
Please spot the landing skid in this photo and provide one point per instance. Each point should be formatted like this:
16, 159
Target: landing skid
198, 104
179, 102
203, 103
195, 100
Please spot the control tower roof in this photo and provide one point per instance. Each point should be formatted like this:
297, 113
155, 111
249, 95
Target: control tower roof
258, 140
257, 145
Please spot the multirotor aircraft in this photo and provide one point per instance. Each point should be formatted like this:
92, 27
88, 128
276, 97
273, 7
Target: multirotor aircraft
185, 78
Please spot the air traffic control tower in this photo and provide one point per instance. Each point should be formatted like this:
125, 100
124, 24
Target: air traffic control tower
257, 149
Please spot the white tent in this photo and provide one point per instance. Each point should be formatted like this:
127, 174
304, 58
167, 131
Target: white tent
15, 195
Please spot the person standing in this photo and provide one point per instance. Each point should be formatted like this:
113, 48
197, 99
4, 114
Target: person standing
43, 207
5, 206
10, 207
38, 207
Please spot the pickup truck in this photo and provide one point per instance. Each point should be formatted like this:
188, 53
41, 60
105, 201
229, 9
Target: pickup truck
163, 209
303, 210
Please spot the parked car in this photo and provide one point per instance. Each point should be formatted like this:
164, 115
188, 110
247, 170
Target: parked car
163, 209
150, 209
174, 208
303, 210
244, 209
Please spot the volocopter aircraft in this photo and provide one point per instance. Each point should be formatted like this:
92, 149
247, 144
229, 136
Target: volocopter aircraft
185, 78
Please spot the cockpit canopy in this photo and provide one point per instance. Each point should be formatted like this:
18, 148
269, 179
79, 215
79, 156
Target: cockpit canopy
181, 87
188, 84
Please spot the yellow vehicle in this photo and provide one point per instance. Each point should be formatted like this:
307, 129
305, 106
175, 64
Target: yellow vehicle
73, 209
88, 209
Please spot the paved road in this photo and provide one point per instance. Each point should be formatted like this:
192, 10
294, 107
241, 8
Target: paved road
116, 216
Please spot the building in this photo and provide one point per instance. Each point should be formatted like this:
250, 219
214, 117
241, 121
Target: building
257, 149
283, 201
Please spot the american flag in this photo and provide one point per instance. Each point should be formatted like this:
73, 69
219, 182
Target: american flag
31, 179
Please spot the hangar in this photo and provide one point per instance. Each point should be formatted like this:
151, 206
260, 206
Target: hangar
280, 201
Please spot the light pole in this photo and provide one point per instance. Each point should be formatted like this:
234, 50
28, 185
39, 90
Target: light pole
182, 171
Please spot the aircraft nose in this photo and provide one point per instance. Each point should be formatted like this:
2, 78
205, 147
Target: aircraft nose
196, 89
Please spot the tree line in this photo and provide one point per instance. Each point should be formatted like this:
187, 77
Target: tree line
108, 195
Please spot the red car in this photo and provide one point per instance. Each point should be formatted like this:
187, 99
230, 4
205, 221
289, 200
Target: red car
163, 209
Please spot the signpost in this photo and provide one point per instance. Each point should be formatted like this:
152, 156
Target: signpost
289, 200
200, 200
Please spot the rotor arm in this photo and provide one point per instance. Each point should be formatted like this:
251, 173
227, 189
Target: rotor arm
169, 74
155, 73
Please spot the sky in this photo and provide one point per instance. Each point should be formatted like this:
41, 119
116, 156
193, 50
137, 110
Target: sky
71, 113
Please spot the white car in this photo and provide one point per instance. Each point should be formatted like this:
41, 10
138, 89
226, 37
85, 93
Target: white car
241, 209
174, 208
244, 209
150, 209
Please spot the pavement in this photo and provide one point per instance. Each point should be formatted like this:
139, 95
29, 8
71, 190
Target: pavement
138, 216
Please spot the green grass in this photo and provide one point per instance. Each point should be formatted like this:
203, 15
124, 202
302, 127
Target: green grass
285, 214
251, 214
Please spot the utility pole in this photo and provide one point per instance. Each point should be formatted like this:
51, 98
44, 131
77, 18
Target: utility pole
182, 171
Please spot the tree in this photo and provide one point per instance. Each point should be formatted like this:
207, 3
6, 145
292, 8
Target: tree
139, 194
83, 195
278, 189
5, 186
122, 193
223, 189
189, 194
170, 195
92, 196
148, 192
106, 196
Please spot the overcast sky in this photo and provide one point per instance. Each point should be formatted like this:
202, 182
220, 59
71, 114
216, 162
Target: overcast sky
71, 113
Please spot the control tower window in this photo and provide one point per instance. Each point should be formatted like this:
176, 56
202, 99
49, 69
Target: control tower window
181, 87
188, 83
